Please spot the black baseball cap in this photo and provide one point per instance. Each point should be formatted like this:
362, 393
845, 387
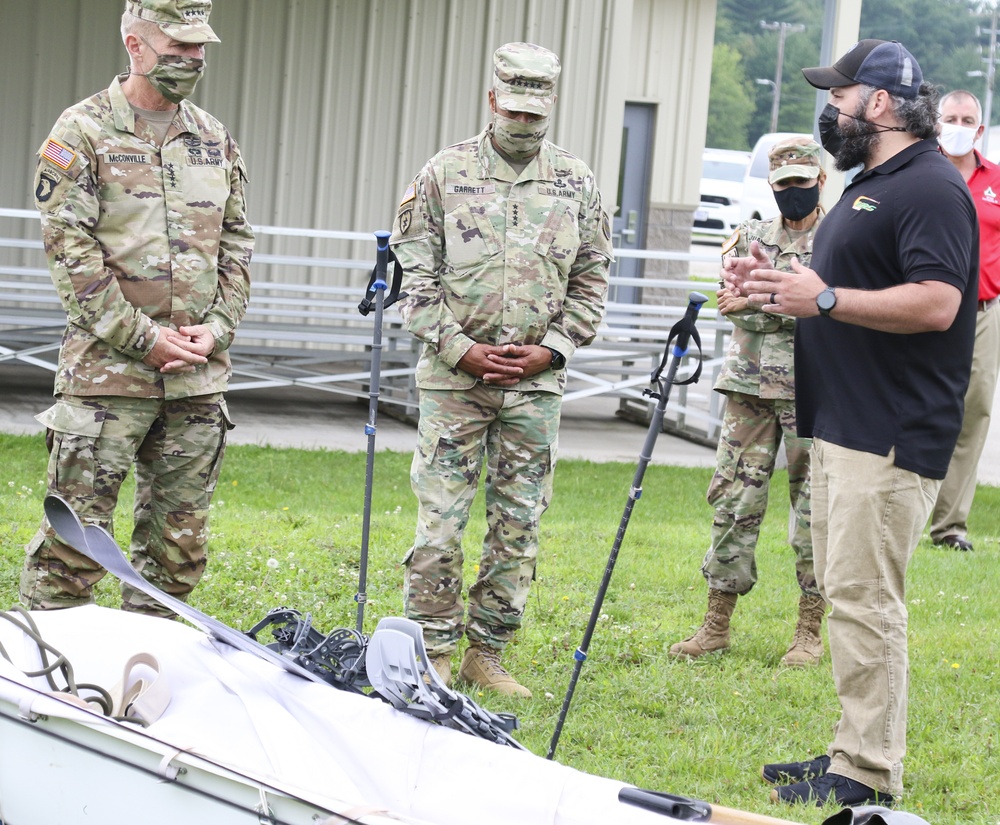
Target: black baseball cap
884, 64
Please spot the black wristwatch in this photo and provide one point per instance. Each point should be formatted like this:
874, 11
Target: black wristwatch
558, 359
826, 301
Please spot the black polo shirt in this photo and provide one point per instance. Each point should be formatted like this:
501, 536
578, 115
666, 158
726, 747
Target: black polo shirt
909, 220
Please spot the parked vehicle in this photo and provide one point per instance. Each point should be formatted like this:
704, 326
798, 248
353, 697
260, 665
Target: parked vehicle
722, 173
758, 199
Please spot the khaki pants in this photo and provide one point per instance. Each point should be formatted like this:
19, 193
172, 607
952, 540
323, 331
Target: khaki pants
951, 511
176, 448
868, 516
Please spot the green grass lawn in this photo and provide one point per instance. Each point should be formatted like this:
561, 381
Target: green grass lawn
286, 530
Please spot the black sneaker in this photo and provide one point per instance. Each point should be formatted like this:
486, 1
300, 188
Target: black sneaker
788, 772
955, 542
847, 793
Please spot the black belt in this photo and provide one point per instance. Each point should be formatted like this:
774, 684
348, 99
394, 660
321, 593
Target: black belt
985, 305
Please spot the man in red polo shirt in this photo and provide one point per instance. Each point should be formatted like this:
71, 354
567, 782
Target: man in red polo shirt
961, 127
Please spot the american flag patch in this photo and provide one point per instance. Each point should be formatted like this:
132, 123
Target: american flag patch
61, 156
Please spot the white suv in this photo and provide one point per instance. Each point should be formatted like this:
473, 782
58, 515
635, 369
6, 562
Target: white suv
758, 198
722, 172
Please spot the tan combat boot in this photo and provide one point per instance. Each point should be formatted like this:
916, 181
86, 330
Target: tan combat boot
807, 644
481, 666
714, 631
442, 664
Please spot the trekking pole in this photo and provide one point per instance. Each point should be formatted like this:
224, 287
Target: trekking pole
374, 295
684, 330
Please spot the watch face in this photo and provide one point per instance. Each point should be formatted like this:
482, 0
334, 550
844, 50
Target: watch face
826, 300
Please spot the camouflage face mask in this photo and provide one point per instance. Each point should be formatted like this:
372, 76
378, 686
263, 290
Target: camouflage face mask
175, 76
519, 141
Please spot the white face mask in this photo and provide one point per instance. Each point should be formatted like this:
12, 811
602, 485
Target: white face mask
957, 140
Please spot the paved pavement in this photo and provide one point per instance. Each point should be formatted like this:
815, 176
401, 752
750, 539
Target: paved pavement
312, 419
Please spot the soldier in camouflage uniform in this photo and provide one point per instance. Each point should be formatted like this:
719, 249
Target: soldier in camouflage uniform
141, 195
757, 380
506, 250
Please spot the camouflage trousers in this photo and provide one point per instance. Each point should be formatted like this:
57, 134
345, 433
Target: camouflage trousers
515, 433
176, 448
752, 432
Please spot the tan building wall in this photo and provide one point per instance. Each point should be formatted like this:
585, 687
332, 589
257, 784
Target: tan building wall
671, 66
337, 103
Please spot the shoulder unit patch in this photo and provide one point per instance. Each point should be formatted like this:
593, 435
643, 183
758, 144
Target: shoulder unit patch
730, 244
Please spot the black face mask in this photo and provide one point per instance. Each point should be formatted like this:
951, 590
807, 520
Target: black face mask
832, 137
829, 132
796, 203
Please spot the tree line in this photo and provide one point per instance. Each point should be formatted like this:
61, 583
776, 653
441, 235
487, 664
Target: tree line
949, 38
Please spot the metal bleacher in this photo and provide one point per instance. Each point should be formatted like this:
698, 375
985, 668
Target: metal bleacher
303, 327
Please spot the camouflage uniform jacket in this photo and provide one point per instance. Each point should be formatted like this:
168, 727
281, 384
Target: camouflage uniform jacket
760, 360
492, 257
139, 236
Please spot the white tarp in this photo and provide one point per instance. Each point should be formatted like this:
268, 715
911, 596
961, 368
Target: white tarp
310, 740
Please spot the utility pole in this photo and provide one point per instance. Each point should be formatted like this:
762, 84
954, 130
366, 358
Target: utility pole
763, 81
783, 29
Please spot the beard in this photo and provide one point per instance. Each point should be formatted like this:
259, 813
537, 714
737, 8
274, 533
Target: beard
860, 141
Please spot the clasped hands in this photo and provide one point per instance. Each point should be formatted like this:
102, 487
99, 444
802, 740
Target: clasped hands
764, 287
181, 350
505, 365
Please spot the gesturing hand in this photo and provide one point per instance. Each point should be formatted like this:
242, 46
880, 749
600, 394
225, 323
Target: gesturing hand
736, 271
790, 293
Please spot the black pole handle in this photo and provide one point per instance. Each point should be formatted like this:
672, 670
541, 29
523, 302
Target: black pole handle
378, 281
695, 302
681, 333
381, 259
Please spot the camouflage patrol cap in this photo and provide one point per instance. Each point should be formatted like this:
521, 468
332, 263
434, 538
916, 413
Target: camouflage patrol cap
184, 20
796, 157
524, 78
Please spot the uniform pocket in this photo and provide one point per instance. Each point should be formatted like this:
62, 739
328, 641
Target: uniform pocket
73, 429
225, 425
72, 417
442, 455
470, 236
227, 418
559, 240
